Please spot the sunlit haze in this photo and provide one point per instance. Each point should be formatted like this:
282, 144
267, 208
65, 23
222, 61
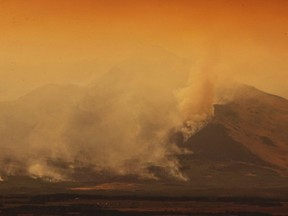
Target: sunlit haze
77, 41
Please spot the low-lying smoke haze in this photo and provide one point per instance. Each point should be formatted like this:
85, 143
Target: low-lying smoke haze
120, 123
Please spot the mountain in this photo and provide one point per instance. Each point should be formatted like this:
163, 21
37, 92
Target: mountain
244, 144
260, 122
74, 137
250, 128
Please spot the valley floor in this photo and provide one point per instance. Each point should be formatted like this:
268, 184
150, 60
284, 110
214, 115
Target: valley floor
76, 204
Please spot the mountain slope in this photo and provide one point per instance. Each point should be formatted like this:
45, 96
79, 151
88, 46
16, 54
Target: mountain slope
92, 134
247, 136
260, 122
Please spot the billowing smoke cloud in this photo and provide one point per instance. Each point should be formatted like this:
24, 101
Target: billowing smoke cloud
119, 125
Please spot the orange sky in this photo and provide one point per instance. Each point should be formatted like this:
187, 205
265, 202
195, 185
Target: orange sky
52, 41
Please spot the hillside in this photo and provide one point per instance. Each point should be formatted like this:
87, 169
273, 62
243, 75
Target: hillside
59, 134
245, 144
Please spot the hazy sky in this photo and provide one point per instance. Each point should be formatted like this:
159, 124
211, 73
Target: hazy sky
75, 41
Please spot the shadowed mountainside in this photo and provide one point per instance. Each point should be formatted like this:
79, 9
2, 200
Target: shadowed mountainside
243, 145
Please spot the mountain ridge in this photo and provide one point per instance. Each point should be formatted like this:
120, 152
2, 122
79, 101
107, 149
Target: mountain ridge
245, 140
